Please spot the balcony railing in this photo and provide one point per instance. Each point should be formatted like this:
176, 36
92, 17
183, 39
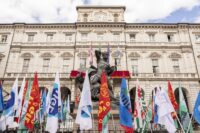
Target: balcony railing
134, 75
164, 75
40, 75
43, 43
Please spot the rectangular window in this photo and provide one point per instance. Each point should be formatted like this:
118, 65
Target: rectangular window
65, 67
197, 38
49, 37
134, 66
0, 61
116, 37
68, 37
155, 66
30, 38
100, 37
82, 63
176, 65
132, 37
84, 36
170, 38
4, 38
46, 64
151, 37
25, 65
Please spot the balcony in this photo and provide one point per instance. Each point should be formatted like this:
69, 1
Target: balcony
40, 75
191, 76
35, 44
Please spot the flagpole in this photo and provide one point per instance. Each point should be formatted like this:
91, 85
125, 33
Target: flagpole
190, 122
113, 122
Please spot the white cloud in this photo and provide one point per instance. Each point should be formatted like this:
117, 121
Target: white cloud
53, 11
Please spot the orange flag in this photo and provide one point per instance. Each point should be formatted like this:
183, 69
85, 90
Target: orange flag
172, 99
104, 103
33, 104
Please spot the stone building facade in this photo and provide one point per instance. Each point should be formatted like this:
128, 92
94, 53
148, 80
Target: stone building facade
152, 52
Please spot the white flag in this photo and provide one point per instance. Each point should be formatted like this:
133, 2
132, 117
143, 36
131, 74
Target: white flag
20, 98
165, 109
52, 118
84, 117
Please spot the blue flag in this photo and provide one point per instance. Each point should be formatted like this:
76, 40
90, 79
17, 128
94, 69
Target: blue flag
125, 111
155, 109
43, 105
1, 98
197, 109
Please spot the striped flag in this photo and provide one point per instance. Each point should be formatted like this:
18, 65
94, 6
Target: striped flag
104, 105
138, 108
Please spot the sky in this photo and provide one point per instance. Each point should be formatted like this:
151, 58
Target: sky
64, 11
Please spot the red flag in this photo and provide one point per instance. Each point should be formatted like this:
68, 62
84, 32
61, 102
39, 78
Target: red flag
172, 99
104, 101
33, 104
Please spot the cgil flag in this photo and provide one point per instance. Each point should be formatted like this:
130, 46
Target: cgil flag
1, 98
7, 118
33, 104
183, 111
84, 117
165, 109
104, 104
197, 109
53, 109
125, 111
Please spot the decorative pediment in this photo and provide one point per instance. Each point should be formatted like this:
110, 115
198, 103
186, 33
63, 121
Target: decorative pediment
47, 54
83, 54
117, 53
2, 55
154, 55
134, 55
66, 54
27, 55
174, 55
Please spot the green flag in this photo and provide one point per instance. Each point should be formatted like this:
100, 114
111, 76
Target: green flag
183, 111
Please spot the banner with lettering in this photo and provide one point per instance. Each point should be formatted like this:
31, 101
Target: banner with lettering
33, 104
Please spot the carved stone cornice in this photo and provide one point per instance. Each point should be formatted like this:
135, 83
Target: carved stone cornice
47, 54
174, 55
154, 55
27, 55
66, 54
134, 55
186, 50
83, 54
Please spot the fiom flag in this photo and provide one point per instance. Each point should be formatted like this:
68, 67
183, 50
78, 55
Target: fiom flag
33, 104
165, 109
52, 118
125, 111
197, 109
104, 104
84, 117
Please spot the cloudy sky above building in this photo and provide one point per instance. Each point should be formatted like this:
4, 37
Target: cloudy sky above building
64, 11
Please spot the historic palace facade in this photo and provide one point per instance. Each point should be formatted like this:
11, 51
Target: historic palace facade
151, 52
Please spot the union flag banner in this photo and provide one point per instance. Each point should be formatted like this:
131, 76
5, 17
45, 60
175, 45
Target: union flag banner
172, 99
33, 104
104, 104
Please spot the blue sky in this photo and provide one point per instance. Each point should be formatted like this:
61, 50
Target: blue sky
64, 11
